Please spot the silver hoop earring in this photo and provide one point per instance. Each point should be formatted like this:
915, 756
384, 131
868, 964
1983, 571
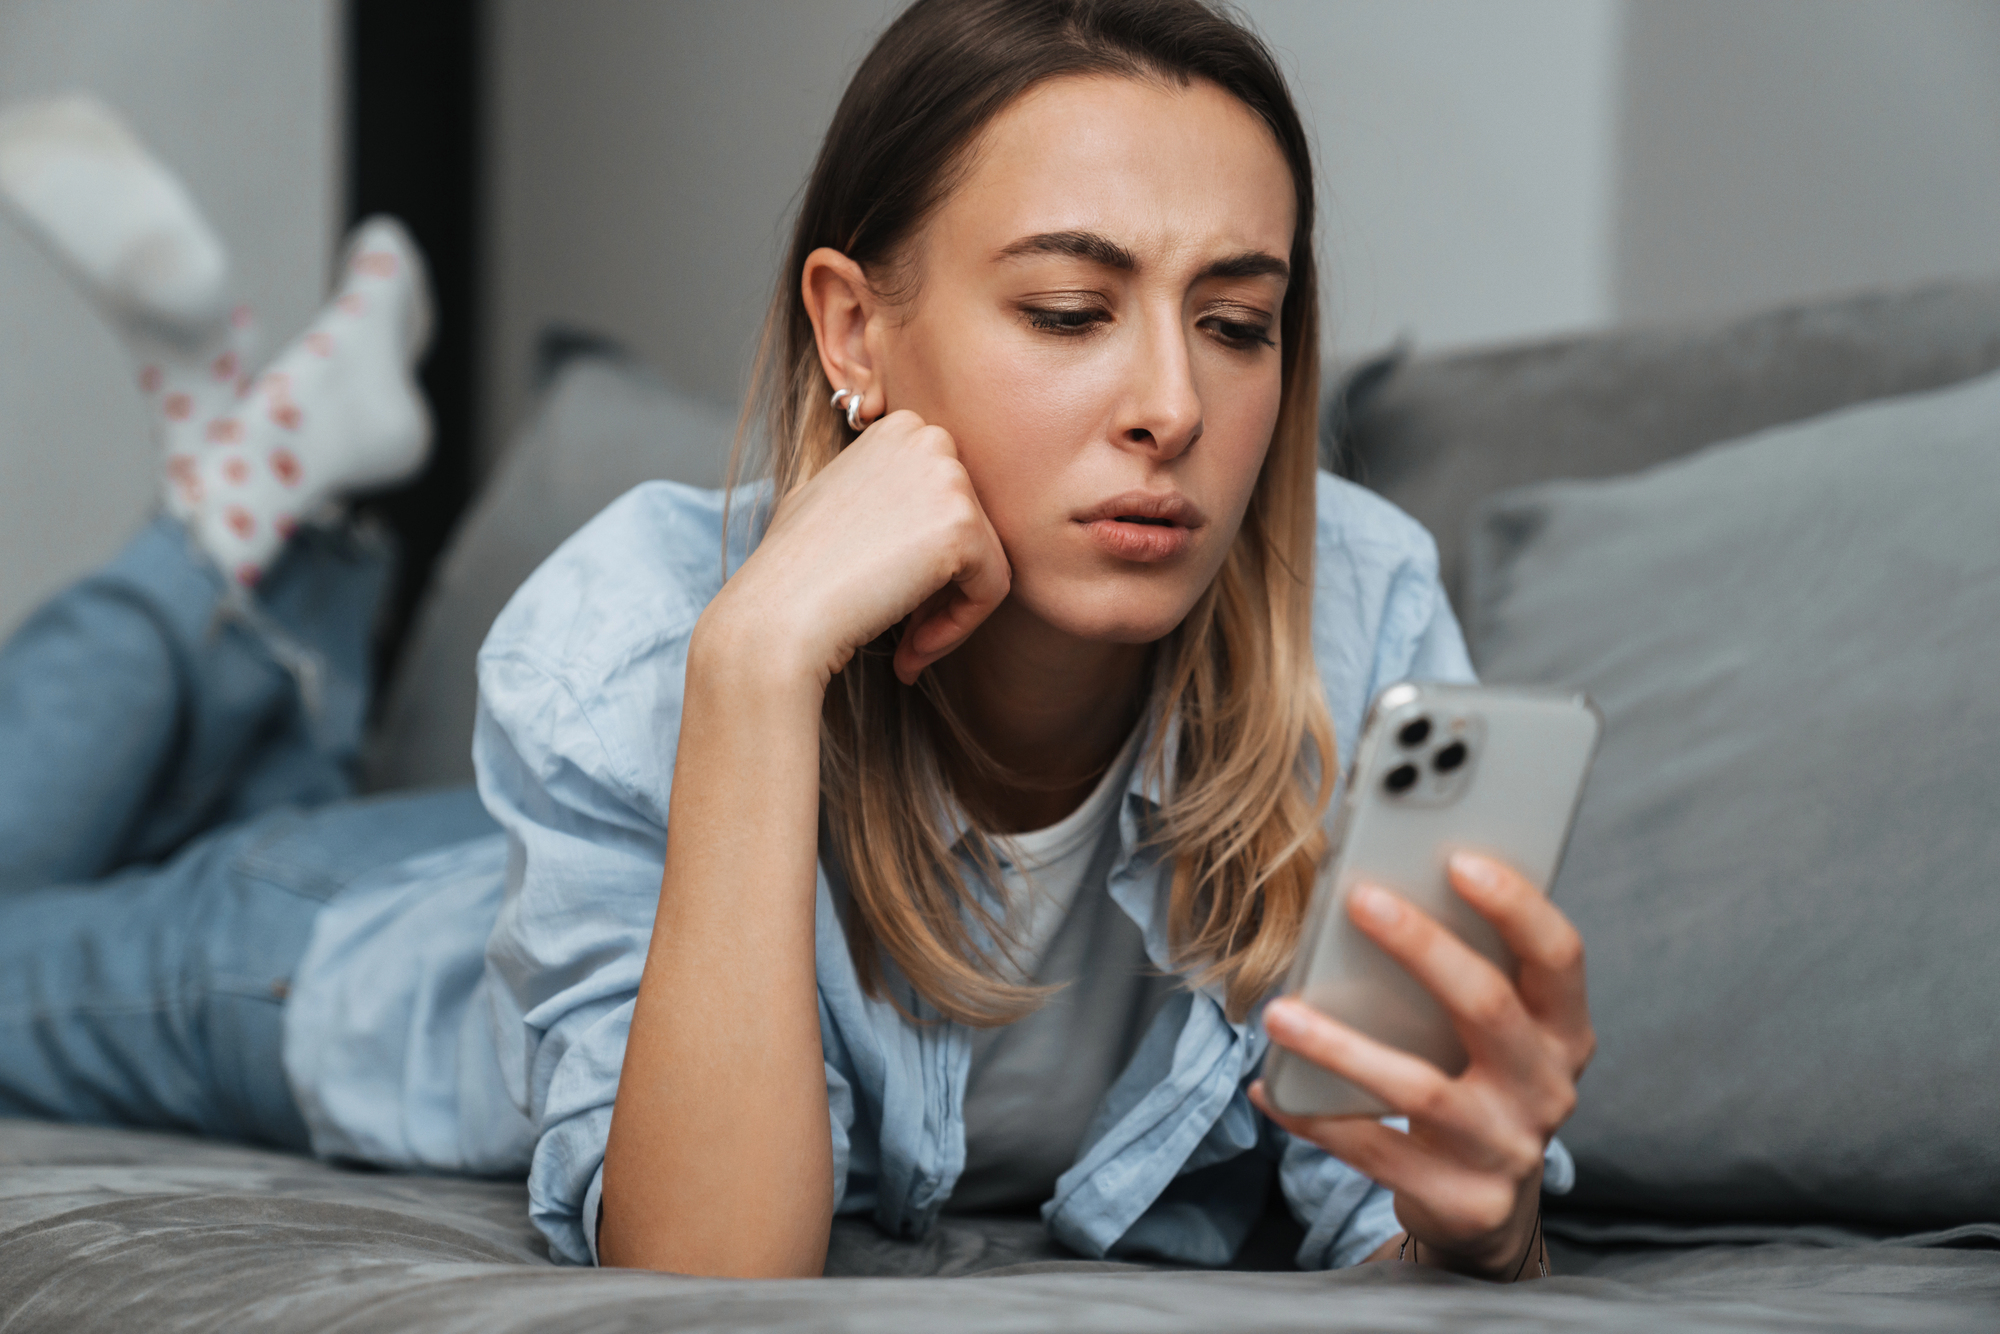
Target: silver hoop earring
851, 398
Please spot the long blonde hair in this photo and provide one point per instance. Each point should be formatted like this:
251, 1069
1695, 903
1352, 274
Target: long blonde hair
1236, 698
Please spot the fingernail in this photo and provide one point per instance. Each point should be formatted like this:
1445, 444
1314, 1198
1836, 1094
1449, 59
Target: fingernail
1377, 905
1475, 869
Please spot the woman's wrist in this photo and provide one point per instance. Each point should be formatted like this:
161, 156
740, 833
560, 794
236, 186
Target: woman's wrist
753, 652
1507, 1259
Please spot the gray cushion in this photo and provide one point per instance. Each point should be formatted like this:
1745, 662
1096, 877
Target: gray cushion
1436, 435
603, 426
1787, 864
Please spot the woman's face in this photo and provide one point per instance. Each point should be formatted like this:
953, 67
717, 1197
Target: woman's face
1095, 322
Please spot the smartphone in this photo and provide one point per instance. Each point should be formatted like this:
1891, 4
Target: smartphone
1439, 769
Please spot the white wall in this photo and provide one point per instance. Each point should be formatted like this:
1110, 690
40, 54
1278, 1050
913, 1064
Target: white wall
240, 96
1465, 158
644, 162
646, 157
1793, 147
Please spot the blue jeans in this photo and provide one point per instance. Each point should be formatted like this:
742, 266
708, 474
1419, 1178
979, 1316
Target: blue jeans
174, 810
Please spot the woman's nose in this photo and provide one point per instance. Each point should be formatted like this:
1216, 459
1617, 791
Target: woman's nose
1163, 415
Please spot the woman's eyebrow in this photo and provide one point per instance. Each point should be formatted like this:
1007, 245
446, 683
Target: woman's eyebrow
1102, 250
1076, 245
1249, 264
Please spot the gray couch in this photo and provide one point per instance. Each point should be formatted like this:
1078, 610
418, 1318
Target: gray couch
1782, 583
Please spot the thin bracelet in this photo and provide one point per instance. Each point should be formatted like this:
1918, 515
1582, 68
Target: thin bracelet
1538, 1250
1538, 1246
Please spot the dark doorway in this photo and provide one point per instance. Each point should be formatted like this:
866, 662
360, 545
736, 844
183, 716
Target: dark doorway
413, 150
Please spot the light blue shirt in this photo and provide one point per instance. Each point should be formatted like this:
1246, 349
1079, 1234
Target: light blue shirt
467, 1010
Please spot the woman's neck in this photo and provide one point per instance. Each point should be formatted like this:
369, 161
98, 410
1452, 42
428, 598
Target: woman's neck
1050, 709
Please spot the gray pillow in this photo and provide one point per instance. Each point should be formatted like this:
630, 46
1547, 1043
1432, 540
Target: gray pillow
604, 425
1438, 434
1787, 864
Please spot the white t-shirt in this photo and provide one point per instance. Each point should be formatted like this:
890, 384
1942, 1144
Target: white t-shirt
1036, 1084
1044, 870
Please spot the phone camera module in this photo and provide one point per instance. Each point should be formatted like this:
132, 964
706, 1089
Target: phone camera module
1400, 779
1449, 757
1414, 733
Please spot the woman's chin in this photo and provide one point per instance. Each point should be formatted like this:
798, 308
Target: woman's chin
1117, 610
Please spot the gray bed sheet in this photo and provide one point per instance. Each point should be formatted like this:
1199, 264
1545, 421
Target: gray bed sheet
117, 1230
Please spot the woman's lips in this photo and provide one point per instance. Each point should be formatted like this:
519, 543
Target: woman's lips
1143, 526
1146, 542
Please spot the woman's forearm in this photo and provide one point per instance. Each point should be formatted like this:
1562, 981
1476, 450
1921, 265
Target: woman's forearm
720, 1156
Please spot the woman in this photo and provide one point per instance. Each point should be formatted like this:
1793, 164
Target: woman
993, 750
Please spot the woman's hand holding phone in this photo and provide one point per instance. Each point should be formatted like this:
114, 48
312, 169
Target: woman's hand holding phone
890, 529
1467, 1176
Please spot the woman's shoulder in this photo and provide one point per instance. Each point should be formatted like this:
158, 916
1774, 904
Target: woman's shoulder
582, 675
1380, 614
1374, 566
1357, 524
630, 583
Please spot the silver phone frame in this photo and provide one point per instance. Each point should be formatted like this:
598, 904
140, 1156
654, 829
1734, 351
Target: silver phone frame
1358, 789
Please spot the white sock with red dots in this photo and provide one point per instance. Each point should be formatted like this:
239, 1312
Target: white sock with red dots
338, 411
187, 388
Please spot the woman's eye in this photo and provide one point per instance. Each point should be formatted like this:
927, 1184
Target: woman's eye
1238, 334
1063, 321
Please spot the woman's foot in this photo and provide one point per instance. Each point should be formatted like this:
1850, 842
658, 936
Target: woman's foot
125, 230
83, 185
338, 411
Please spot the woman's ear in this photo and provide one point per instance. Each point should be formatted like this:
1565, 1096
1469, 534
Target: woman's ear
842, 305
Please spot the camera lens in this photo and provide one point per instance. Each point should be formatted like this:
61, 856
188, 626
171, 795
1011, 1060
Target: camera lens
1449, 757
1414, 732
1401, 778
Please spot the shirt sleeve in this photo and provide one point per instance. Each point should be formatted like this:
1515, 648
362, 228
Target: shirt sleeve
579, 778
1346, 1216
1380, 614
1420, 639
585, 850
